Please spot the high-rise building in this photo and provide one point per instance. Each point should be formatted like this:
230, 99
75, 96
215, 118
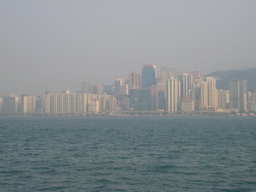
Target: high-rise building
81, 102
54, 103
212, 92
135, 81
112, 104
161, 100
66, 102
118, 84
148, 76
186, 84
222, 99
125, 104
1, 104
47, 102
238, 95
60, 103
173, 93
73, 103
139, 100
10, 105
93, 106
209, 95
187, 104
28, 103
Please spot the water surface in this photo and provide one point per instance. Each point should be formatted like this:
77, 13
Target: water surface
128, 154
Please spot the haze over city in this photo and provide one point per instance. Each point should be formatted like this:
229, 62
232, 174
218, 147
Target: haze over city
55, 45
128, 95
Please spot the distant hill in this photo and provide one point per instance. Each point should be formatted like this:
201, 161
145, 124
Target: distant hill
226, 76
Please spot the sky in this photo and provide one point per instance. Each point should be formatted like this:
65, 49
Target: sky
55, 45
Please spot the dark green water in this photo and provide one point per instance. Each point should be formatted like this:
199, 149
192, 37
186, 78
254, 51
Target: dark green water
128, 154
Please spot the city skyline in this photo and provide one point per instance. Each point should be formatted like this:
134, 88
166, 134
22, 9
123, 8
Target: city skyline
80, 87
170, 93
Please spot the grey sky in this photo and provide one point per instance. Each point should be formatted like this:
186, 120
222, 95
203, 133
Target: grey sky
54, 45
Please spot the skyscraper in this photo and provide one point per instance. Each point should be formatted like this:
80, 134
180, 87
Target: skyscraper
209, 95
238, 95
134, 80
10, 105
118, 84
186, 84
148, 76
173, 92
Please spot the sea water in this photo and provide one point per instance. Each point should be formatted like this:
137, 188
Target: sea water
128, 154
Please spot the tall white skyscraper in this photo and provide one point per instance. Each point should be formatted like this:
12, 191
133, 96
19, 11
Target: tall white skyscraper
173, 92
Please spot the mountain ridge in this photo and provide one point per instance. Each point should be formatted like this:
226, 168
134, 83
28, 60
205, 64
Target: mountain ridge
226, 76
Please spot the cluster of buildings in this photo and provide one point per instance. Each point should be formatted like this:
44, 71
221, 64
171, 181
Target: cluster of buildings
170, 93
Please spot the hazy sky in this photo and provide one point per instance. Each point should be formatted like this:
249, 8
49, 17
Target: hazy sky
53, 45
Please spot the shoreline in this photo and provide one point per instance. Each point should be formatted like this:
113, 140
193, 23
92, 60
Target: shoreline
133, 114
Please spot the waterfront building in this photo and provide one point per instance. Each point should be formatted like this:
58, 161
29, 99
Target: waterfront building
60, 103
81, 102
139, 100
212, 93
66, 103
47, 102
209, 95
28, 104
112, 104
161, 100
238, 95
125, 104
222, 99
1, 105
93, 106
187, 104
173, 94
54, 103
10, 105
254, 98
73, 103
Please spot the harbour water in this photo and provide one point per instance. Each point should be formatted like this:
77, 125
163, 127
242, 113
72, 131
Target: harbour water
128, 154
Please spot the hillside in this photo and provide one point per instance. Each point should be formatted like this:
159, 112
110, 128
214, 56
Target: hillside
226, 76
